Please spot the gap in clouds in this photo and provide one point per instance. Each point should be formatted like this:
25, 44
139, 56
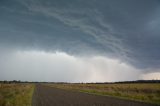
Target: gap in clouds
60, 66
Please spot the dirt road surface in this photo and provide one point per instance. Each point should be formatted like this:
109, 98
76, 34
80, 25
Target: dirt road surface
49, 96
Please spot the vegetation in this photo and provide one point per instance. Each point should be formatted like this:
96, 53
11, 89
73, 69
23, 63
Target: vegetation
16, 94
145, 92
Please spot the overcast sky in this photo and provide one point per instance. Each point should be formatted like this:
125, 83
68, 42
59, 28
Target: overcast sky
79, 40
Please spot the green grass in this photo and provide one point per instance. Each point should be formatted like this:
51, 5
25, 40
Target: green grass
16, 94
145, 92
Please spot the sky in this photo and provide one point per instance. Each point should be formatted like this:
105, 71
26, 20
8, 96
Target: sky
79, 40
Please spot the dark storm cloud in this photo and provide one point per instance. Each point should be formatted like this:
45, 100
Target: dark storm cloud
126, 29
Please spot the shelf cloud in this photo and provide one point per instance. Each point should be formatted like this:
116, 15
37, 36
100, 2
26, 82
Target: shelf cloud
107, 36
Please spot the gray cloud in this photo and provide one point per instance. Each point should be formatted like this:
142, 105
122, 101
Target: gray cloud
127, 29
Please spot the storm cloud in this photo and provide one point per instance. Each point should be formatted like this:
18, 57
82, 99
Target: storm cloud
127, 31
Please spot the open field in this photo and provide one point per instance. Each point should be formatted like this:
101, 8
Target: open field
145, 92
51, 96
16, 94
23, 94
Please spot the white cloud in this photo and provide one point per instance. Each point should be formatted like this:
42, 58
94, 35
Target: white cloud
59, 66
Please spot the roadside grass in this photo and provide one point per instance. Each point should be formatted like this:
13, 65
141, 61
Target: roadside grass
16, 94
144, 92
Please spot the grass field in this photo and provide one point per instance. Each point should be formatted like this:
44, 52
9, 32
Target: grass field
16, 94
145, 92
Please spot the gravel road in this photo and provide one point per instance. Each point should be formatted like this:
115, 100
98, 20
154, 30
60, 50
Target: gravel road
49, 96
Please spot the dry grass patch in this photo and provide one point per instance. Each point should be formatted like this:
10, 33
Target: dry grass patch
16, 94
145, 92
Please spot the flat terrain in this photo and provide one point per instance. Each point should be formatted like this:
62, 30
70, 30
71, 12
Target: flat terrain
50, 96
16, 94
143, 92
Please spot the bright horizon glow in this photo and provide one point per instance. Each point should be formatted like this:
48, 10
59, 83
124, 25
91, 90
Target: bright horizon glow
151, 76
62, 67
